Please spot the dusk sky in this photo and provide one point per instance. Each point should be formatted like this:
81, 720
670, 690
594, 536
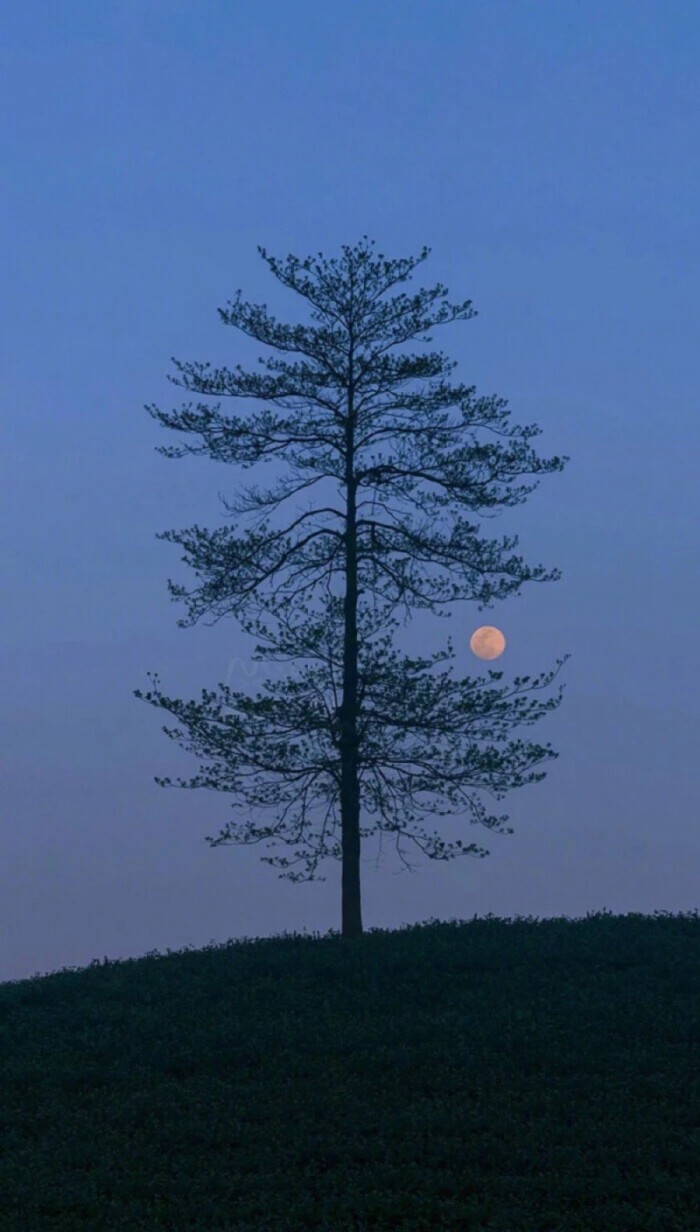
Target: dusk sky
549, 156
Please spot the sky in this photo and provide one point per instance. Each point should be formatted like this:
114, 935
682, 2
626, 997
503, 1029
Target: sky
549, 156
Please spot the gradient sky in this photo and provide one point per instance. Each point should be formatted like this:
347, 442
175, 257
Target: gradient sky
548, 154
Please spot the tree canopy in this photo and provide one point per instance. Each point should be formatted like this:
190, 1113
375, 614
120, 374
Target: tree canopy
361, 727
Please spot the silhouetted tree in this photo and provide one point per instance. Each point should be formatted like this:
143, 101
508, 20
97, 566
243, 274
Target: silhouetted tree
354, 749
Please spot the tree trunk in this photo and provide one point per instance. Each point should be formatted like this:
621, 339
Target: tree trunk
349, 784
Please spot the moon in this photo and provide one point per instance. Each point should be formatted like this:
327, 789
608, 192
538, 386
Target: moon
487, 642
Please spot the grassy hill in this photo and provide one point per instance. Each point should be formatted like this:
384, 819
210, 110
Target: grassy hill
526, 1076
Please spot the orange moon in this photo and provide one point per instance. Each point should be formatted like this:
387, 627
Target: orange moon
487, 642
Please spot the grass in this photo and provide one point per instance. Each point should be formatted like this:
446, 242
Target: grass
527, 1076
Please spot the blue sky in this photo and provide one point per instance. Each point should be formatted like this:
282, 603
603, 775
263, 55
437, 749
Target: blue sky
548, 154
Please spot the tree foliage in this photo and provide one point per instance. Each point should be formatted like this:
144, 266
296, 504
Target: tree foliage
361, 726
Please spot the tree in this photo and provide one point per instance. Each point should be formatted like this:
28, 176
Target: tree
352, 749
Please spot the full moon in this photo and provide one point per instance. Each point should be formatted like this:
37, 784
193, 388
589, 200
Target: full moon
487, 642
